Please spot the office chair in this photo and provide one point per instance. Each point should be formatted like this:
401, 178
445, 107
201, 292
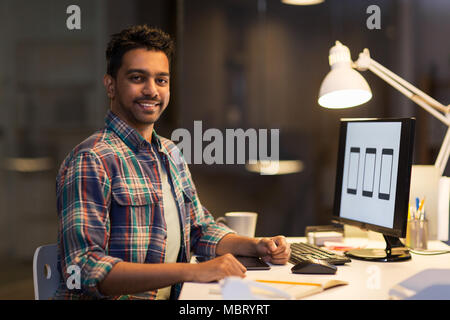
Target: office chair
46, 276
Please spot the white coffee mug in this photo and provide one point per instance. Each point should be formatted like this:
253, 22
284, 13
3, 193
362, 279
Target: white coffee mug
244, 223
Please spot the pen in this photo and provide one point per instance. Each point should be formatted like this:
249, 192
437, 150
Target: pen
421, 205
290, 282
422, 212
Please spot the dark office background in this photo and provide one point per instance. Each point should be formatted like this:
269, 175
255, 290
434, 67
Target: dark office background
239, 64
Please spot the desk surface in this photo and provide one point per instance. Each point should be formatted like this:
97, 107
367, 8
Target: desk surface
367, 280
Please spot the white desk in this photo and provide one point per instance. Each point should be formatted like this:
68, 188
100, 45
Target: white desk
367, 280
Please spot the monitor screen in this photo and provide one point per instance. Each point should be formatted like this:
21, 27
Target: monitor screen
373, 174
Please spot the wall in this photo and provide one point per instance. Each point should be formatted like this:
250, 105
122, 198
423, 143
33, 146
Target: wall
259, 64
241, 64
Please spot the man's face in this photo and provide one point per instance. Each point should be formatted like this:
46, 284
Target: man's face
140, 92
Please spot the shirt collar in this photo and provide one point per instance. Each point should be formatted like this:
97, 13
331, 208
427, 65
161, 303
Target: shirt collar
129, 135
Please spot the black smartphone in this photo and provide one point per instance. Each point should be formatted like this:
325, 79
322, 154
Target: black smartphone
353, 170
386, 174
369, 172
251, 263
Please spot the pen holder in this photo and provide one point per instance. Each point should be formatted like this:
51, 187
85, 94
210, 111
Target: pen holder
417, 234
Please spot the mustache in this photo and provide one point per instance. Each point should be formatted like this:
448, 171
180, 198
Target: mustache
148, 99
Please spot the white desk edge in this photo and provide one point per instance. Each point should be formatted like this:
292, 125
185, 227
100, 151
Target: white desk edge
367, 280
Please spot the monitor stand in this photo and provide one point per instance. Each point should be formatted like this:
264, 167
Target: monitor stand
395, 251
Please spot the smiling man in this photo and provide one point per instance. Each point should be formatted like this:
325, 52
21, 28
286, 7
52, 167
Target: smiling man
129, 214
139, 90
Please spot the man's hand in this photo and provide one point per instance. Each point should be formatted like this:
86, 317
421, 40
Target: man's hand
218, 268
274, 250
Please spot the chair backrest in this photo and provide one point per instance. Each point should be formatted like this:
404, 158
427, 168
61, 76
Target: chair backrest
46, 276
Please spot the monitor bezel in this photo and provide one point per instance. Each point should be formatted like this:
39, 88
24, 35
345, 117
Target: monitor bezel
403, 177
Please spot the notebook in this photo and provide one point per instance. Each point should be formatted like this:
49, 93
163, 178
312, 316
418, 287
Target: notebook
237, 288
298, 290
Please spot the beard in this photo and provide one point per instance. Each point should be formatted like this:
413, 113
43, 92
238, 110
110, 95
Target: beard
142, 111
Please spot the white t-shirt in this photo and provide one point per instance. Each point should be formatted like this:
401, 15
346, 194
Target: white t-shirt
172, 221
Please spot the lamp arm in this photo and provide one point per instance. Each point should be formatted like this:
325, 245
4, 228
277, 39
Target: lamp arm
419, 97
444, 152
429, 100
414, 97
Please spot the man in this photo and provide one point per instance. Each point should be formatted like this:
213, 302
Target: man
129, 213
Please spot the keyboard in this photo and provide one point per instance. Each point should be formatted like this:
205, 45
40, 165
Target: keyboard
301, 251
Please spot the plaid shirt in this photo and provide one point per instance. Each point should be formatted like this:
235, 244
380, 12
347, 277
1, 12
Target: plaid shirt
110, 209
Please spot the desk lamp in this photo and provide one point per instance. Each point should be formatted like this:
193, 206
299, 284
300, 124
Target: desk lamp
344, 87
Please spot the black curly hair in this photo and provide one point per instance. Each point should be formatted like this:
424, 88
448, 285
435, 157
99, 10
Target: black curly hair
134, 37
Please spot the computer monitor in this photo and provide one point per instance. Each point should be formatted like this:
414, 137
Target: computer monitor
373, 181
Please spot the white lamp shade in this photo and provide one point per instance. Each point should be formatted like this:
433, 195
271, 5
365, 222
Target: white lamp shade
343, 87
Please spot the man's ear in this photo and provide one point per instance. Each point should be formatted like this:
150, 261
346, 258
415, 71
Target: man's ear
108, 82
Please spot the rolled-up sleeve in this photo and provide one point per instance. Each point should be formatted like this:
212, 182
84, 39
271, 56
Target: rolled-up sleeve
83, 199
207, 233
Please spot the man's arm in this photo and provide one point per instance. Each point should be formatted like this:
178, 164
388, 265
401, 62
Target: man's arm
129, 278
82, 194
